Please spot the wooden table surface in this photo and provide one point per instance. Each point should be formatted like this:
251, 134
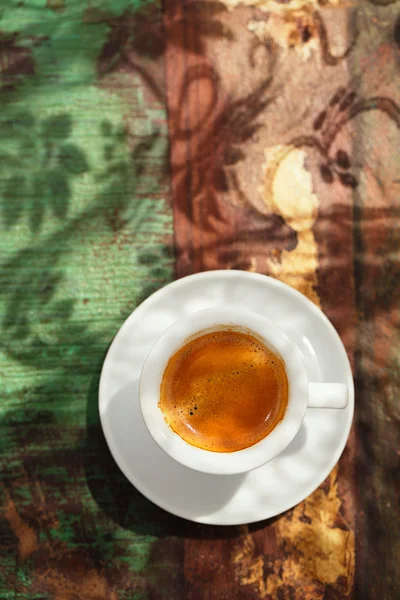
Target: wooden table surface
140, 142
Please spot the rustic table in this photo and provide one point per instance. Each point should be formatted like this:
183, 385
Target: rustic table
141, 142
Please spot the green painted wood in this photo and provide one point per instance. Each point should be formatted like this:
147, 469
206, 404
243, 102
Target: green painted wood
86, 231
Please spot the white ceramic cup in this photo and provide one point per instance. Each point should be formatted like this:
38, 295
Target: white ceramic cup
303, 394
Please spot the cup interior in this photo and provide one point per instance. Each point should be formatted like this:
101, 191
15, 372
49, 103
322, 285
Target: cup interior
191, 326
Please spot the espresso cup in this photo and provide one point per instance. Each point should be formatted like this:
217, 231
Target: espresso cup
302, 394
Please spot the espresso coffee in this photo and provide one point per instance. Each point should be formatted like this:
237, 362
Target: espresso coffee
224, 391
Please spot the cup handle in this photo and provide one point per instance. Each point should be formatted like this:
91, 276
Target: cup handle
327, 395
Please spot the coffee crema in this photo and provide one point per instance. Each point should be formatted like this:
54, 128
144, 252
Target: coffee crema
224, 391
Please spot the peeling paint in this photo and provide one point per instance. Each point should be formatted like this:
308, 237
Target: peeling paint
319, 549
288, 192
276, 6
295, 30
253, 268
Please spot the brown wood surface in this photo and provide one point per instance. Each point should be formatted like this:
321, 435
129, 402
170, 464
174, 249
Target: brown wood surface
240, 84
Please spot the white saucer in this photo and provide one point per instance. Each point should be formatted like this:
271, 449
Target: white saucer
231, 499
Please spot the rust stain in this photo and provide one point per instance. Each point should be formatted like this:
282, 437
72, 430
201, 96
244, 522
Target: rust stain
26, 537
288, 192
318, 548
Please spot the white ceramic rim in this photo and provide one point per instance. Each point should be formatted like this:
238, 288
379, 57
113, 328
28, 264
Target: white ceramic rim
223, 463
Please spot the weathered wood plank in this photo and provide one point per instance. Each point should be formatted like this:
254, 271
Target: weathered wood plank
86, 233
274, 90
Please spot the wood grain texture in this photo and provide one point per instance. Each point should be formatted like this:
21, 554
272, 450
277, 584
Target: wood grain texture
274, 172
86, 235
282, 121
376, 276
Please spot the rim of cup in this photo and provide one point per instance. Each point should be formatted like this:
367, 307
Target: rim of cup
196, 324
